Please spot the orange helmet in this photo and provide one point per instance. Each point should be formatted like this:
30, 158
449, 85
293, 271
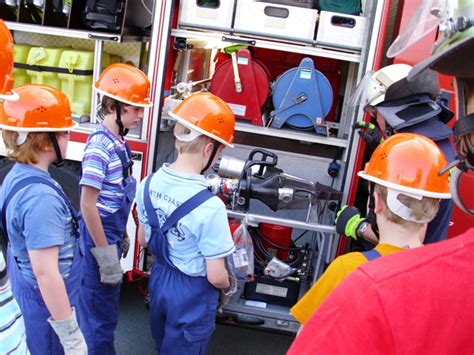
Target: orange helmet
40, 108
6, 63
409, 163
207, 114
125, 83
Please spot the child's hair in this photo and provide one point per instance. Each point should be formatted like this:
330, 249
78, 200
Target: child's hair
107, 105
25, 153
423, 209
189, 147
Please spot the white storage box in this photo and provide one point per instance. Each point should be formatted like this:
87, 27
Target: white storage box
289, 23
193, 15
341, 31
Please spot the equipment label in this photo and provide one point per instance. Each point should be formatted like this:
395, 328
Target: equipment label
240, 258
238, 110
271, 290
305, 73
242, 61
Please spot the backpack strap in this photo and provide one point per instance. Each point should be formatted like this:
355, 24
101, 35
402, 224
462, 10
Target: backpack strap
125, 158
35, 180
372, 254
184, 209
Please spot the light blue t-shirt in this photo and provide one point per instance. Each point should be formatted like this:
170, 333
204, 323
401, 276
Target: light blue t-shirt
202, 234
37, 218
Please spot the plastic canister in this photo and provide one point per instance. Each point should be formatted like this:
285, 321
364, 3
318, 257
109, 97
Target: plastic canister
44, 62
77, 82
278, 235
20, 52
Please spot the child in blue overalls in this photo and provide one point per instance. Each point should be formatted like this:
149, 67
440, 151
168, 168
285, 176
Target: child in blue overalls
107, 191
185, 226
39, 220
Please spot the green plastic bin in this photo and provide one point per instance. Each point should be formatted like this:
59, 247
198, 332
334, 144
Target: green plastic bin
20, 52
44, 61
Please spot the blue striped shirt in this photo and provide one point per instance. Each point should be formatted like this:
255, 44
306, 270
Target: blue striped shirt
102, 170
12, 327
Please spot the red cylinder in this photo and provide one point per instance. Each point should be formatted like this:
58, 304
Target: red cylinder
278, 235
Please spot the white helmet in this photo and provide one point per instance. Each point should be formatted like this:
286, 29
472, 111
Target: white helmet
373, 86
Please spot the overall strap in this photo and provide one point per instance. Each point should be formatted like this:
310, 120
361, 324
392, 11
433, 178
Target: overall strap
184, 209
35, 180
178, 213
125, 158
371, 254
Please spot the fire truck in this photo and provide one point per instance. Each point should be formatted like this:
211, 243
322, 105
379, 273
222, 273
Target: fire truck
285, 67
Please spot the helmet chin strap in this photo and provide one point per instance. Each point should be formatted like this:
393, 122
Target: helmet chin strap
54, 141
213, 155
118, 110
456, 173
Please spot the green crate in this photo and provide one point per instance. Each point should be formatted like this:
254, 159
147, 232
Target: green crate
20, 52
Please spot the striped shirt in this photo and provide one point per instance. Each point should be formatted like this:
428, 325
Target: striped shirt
12, 328
102, 170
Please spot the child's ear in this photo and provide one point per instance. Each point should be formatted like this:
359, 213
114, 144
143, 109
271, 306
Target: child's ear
208, 148
380, 204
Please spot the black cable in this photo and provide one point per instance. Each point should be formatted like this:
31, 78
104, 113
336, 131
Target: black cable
299, 237
272, 243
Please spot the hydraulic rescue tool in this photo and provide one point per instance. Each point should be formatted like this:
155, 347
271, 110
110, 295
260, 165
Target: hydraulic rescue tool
259, 178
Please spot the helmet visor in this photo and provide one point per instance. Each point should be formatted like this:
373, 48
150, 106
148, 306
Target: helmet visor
367, 90
421, 23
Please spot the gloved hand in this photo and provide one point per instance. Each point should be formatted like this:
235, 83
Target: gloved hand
125, 244
227, 293
111, 272
369, 133
69, 335
348, 220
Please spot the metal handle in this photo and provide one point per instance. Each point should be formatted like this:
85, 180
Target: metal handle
103, 38
249, 42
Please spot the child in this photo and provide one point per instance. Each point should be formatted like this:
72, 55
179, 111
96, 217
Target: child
186, 228
402, 106
406, 191
107, 192
43, 255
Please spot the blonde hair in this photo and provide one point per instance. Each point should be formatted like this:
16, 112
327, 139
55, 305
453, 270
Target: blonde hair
423, 209
194, 146
26, 153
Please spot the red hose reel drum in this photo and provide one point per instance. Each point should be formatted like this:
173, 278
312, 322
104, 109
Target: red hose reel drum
255, 81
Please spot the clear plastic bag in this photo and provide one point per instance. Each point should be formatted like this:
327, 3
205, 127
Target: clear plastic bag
241, 261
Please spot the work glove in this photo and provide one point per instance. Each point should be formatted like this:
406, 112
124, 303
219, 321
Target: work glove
348, 220
369, 133
69, 335
226, 294
125, 244
111, 272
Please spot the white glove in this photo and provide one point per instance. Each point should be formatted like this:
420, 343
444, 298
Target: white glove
69, 335
111, 273
226, 294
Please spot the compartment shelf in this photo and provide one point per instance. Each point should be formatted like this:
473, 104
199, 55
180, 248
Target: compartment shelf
263, 43
82, 34
288, 133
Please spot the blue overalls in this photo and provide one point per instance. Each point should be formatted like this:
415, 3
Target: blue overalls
40, 337
99, 304
182, 308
